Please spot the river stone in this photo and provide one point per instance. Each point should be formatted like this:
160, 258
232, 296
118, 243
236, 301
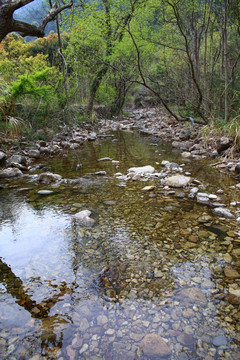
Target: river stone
45, 192
10, 172
34, 153
17, 159
154, 345
105, 159
186, 154
84, 325
2, 156
219, 340
83, 217
148, 188
194, 294
141, 171
236, 252
231, 273
92, 136
186, 339
219, 211
177, 181
223, 144
49, 177
233, 295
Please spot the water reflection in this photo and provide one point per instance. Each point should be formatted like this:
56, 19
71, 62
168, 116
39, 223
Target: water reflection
149, 265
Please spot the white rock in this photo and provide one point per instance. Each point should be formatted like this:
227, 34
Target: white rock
49, 177
213, 197
142, 171
177, 181
148, 188
186, 155
83, 349
105, 159
45, 192
165, 162
84, 217
10, 172
2, 155
223, 213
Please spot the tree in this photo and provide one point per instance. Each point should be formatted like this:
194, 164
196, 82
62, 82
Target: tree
8, 24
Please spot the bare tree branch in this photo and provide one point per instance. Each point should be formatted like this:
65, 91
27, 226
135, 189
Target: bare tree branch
8, 24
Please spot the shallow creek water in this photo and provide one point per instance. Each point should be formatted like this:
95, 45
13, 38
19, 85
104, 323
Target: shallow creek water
152, 263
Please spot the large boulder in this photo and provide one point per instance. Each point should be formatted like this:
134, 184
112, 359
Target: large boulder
10, 172
177, 181
49, 177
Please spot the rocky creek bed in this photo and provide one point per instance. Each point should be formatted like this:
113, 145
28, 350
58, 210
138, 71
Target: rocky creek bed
122, 249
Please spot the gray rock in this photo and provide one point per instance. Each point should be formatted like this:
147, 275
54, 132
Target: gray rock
180, 145
184, 134
92, 136
219, 211
173, 166
223, 144
193, 192
17, 159
2, 156
214, 154
10, 172
219, 340
194, 294
34, 153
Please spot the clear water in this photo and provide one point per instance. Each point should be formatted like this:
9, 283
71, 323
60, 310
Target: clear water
73, 292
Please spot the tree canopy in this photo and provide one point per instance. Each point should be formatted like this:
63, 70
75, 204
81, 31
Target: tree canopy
180, 54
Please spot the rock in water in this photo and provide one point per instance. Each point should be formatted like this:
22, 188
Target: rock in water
45, 192
219, 211
83, 217
10, 172
137, 172
49, 177
177, 181
153, 345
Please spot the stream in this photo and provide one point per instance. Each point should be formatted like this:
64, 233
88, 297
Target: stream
149, 279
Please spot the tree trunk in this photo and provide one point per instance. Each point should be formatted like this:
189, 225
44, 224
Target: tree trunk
226, 61
94, 87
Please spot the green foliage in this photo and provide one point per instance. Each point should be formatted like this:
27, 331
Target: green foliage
27, 85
